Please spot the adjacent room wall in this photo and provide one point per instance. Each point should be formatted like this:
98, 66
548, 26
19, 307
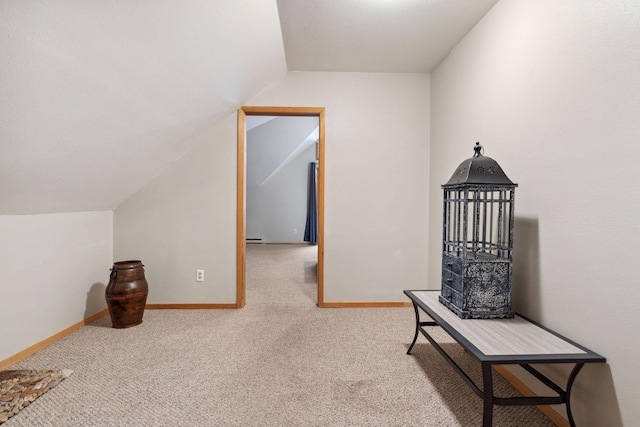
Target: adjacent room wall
55, 269
551, 90
376, 199
277, 178
277, 210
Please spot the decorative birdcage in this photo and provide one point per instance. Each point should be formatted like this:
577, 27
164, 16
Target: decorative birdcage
478, 239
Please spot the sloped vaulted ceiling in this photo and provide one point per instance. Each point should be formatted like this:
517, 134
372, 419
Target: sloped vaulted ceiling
98, 97
380, 36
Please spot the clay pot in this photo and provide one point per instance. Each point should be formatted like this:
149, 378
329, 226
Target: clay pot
126, 293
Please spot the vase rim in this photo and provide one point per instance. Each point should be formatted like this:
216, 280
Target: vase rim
125, 263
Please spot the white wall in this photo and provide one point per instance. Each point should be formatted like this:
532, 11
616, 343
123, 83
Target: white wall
277, 210
91, 88
55, 269
277, 178
552, 89
376, 200
376, 188
186, 220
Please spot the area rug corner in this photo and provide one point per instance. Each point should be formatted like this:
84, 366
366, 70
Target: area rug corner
19, 388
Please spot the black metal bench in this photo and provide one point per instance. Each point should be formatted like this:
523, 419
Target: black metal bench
518, 341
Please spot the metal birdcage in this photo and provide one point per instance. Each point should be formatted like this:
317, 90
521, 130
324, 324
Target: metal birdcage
477, 242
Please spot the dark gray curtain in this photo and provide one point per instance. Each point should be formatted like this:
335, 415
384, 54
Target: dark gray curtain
311, 229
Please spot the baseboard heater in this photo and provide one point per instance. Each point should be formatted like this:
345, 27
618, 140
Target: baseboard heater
255, 241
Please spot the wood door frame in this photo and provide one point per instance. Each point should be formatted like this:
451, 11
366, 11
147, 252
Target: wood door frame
241, 202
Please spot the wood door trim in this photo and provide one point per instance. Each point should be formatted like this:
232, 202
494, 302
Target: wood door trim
282, 111
240, 215
241, 208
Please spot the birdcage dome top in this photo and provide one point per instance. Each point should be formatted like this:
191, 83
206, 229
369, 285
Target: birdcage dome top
479, 170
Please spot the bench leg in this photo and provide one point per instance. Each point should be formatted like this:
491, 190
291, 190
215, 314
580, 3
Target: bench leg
487, 392
572, 377
415, 337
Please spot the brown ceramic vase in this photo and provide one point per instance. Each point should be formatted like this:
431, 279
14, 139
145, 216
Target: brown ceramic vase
126, 293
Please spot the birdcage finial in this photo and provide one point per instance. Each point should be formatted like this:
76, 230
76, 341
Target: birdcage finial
479, 149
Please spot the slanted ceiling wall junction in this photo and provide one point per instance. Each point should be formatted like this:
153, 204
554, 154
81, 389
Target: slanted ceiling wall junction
99, 98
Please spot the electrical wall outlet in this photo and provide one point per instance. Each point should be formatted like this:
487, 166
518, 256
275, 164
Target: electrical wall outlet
199, 275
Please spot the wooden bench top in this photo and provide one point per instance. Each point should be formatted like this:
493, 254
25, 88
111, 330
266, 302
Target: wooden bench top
513, 340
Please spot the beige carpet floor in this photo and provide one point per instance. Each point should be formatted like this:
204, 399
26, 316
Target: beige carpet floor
280, 361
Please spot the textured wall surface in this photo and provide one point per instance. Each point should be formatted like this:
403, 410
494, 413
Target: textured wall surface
551, 90
186, 220
100, 97
55, 269
376, 165
377, 151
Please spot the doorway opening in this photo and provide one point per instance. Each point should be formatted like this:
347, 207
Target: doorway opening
241, 185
